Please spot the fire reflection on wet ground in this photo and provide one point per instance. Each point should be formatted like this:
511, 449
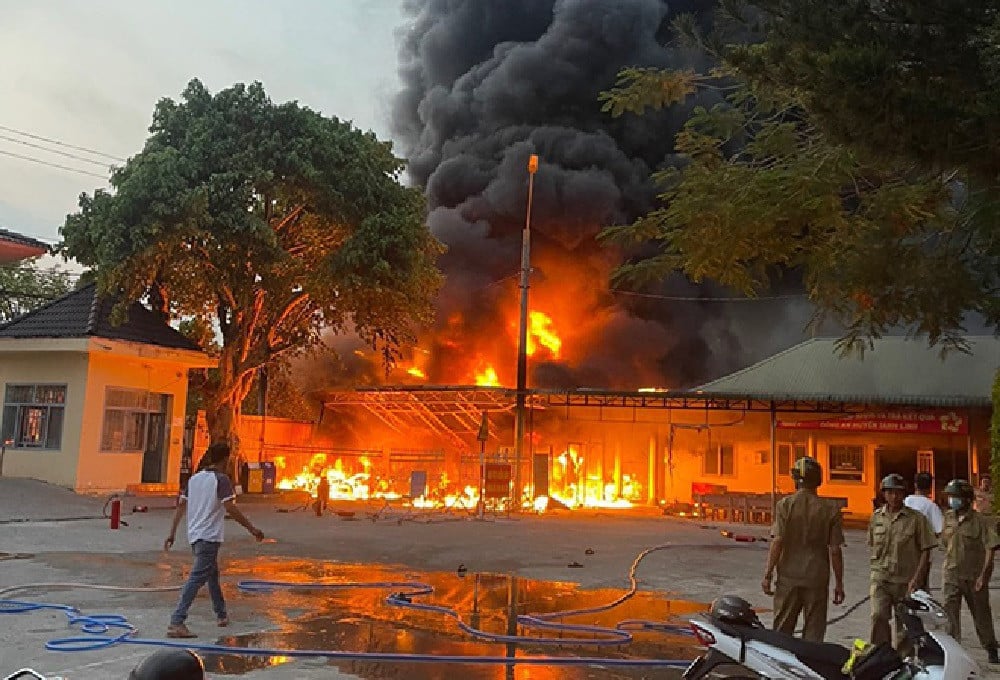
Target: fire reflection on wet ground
361, 620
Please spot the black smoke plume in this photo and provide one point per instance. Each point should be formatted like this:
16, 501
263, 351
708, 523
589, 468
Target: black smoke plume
486, 83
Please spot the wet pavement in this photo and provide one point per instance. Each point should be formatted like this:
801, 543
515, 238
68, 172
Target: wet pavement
48, 544
361, 620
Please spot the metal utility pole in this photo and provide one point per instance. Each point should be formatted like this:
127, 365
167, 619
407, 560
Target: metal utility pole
484, 434
522, 340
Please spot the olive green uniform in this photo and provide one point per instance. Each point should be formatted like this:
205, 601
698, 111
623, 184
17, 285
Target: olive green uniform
897, 541
965, 540
808, 527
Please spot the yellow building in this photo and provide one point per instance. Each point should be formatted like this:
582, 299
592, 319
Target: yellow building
91, 405
902, 408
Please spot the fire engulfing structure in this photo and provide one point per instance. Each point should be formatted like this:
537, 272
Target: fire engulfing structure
487, 83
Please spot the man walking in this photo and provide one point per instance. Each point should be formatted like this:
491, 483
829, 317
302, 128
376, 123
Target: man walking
900, 540
920, 500
808, 539
208, 498
969, 541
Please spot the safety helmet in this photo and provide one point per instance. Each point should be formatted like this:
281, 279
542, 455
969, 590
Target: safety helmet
807, 473
960, 488
170, 664
894, 482
735, 610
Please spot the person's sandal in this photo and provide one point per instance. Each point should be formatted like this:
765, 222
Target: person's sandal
179, 631
223, 622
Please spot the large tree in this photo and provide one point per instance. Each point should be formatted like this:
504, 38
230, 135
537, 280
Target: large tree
25, 286
874, 200
269, 223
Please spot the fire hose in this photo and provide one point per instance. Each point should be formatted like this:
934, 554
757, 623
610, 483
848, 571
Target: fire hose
101, 631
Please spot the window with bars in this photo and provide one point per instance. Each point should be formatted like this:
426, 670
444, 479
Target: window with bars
847, 463
720, 461
126, 416
33, 416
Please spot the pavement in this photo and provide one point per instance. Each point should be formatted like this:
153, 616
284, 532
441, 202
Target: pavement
50, 535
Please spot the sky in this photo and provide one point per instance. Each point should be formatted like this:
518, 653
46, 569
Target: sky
89, 74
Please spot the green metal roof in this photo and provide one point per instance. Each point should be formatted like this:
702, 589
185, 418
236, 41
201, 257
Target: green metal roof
897, 371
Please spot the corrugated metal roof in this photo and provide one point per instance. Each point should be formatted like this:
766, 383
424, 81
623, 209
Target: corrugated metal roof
897, 371
82, 313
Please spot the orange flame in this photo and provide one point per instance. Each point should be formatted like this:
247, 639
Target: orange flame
487, 377
541, 331
416, 372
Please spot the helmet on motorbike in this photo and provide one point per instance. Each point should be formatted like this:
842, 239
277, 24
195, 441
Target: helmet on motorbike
170, 664
893, 482
735, 610
807, 473
960, 488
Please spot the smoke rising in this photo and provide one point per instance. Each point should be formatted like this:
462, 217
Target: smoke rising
486, 83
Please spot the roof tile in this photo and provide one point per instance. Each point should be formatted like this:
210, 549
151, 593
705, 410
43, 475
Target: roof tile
82, 313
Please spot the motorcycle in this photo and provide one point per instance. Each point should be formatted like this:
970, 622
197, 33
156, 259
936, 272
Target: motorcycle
735, 636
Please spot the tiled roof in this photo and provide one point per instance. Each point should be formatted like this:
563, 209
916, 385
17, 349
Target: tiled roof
83, 313
21, 239
897, 371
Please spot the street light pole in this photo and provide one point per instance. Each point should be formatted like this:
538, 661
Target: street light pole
522, 339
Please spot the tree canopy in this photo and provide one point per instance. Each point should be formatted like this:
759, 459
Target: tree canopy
269, 223
853, 148
25, 286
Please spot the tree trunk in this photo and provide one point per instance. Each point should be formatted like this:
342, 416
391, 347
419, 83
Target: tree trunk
222, 408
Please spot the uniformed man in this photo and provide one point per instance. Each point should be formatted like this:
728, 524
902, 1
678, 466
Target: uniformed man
969, 540
808, 539
900, 540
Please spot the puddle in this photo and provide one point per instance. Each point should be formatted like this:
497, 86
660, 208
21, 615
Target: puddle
361, 620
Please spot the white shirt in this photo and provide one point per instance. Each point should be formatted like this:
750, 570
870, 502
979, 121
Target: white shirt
928, 508
206, 493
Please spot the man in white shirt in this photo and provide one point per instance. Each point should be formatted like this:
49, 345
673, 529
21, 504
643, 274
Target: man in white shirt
922, 502
209, 496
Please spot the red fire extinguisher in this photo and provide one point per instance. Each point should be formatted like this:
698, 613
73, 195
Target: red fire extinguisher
116, 512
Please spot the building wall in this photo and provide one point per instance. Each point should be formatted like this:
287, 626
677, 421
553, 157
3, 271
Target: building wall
637, 442
100, 472
58, 367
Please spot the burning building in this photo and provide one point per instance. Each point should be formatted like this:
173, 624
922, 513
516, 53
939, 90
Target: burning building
487, 83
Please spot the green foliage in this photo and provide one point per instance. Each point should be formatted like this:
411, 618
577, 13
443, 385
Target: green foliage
638, 89
24, 287
267, 222
873, 199
912, 80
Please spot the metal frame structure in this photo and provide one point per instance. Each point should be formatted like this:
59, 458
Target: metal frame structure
455, 411
452, 412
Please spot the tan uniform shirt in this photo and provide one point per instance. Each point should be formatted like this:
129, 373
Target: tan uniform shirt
807, 526
897, 541
965, 541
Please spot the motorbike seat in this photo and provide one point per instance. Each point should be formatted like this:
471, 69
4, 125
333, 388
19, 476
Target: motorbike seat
825, 658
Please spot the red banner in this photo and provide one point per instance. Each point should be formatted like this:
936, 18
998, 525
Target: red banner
922, 422
497, 478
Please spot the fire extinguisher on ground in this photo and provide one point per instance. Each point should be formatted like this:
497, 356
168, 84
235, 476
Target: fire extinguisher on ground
116, 512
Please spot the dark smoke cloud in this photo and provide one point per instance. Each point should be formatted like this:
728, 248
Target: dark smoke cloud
488, 82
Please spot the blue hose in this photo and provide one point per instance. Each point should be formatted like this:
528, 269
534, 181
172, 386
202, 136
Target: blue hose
107, 630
